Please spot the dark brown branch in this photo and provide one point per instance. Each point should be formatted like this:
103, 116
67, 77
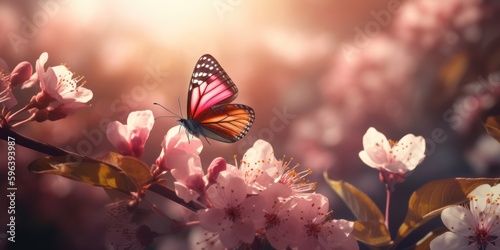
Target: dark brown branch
51, 150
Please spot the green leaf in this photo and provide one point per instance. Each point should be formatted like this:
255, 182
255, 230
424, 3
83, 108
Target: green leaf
493, 126
135, 169
370, 228
429, 200
84, 170
358, 202
372, 233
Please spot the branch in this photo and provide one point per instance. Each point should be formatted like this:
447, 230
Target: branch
51, 150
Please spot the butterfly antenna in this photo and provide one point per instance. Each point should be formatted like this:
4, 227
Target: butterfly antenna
180, 107
174, 115
165, 116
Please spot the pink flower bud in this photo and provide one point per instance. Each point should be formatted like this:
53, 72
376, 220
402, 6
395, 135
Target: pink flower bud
21, 73
218, 165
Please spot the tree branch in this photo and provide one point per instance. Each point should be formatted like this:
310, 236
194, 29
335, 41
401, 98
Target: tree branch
51, 150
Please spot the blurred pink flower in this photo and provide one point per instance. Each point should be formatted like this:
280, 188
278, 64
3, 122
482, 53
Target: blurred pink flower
57, 84
233, 213
475, 226
395, 157
130, 139
323, 232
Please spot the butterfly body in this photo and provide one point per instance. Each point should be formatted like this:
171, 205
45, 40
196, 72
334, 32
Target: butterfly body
210, 113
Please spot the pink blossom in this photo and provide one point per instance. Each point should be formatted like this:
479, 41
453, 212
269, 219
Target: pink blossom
257, 165
234, 213
395, 157
282, 227
475, 226
323, 232
57, 84
130, 139
175, 146
181, 156
260, 168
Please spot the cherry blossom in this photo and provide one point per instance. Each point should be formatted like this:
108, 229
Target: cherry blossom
394, 157
475, 226
130, 139
260, 168
57, 84
180, 155
233, 213
282, 227
323, 232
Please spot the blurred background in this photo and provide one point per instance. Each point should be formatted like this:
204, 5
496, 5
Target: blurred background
317, 73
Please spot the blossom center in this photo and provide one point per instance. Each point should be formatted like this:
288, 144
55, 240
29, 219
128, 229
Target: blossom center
295, 180
482, 238
392, 143
272, 220
233, 213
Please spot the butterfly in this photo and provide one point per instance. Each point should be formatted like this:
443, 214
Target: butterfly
210, 112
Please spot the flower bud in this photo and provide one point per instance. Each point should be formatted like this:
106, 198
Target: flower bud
218, 165
21, 73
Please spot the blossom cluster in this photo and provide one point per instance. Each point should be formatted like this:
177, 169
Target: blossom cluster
61, 93
260, 197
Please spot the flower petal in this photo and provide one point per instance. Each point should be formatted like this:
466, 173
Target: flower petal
449, 241
229, 239
375, 144
245, 230
117, 134
185, 193
410, 150
363, 155
458, 220
212, 219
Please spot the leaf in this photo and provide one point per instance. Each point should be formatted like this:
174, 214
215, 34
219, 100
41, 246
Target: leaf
84, 170
358, 202
372, 233
429, 200
370, 228
135, 169
493, 126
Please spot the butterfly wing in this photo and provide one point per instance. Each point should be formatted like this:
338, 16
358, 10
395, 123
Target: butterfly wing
210, 85
227, 122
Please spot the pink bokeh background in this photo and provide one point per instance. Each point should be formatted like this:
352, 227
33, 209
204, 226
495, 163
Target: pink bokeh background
336, 68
